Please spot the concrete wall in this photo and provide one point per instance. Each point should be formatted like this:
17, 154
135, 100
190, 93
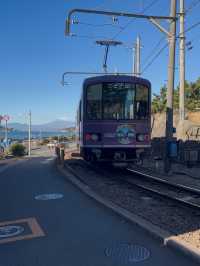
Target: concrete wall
190, 128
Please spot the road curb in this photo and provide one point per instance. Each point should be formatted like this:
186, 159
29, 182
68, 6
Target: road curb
165, 237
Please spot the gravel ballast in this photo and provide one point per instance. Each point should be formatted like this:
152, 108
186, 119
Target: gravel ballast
178, 220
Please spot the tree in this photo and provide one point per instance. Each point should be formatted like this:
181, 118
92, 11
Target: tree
17, 149
192, 98
159, 101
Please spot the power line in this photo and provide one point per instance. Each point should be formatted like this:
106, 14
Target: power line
192, 27
154, 49
163, 48
193, 4
154, 58
95, 25
131, 21
87, 36
100, 5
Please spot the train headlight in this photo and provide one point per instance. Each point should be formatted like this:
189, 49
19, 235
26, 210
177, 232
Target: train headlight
93, 137
142, 137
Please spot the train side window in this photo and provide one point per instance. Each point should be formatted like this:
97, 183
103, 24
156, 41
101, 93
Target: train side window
94, 97
142, 102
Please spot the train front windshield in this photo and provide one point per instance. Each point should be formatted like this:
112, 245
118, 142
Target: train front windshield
114, 101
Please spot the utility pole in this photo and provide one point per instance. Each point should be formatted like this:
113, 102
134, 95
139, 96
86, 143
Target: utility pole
136, 64
29, 135
1, 118
182, 62
6, 132
170, 86
6, 118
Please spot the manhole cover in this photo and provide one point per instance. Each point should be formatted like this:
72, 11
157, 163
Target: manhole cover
128, 253
10, 230
52, 196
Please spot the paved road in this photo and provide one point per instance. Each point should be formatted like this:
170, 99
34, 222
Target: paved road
71, 231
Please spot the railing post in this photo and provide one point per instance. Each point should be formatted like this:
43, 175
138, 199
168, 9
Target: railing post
62, 156
57, 151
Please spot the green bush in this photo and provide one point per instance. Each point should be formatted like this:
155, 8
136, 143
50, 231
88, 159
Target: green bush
17, 149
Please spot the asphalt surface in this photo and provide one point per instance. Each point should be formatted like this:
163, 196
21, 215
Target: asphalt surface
76, 231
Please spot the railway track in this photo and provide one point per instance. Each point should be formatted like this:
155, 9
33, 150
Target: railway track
184, 195
156, 187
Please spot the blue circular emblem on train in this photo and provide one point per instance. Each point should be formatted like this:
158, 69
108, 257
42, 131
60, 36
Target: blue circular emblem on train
125, 134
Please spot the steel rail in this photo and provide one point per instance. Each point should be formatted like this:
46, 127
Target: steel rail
186, 189
162, 181
124, 179
164, 195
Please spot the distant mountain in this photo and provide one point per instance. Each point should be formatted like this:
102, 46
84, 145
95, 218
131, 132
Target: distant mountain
55, 125
18, 126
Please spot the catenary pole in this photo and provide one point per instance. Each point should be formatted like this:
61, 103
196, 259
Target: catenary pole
170, 86
138, 47
6, 132
136, 57
182, 62
29, 135
134, 60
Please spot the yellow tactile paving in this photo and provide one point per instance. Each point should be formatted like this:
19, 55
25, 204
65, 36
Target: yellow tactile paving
33, 225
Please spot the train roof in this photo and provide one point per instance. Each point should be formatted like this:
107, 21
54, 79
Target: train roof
115, 78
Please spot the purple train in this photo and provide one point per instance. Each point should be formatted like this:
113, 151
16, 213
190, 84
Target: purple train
114, 118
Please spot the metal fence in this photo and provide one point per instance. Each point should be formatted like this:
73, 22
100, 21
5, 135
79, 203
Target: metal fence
188, 152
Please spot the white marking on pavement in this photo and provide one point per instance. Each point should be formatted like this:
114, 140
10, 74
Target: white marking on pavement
52, 196
10, 230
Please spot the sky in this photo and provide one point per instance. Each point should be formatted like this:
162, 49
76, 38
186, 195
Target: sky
34, 52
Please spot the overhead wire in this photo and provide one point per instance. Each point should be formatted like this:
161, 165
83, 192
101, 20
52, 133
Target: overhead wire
194, 4
94, 25
131, 21
165, 46
189, 9
122, 28
192, 27
154, 49
154, 58
87, 36
97, 25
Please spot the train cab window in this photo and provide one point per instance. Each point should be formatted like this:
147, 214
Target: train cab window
118, 101
94, 97
141, 102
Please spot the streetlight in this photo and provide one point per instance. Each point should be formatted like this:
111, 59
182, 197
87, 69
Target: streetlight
6, 118
29, 117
